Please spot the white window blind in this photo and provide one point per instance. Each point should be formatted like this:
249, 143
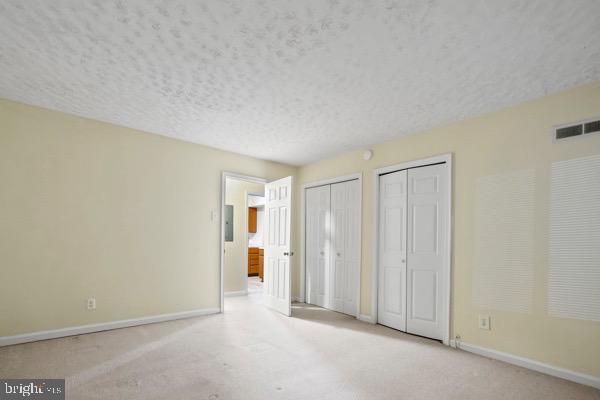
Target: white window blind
574, 275
503, 241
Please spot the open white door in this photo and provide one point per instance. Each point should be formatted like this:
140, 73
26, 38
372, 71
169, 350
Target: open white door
391, 310
426, 251
278, 214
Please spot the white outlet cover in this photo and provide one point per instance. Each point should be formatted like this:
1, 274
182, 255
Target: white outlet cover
91, 303
484, 322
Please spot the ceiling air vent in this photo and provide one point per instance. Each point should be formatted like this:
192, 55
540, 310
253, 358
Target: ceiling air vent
577, 129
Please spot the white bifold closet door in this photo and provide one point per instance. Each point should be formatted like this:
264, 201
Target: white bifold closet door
412, 249
391, 310
332, 245
318, 200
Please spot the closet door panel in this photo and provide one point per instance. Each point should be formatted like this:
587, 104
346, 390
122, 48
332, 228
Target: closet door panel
352, 247
317, 244
338, 240
426, 249
323, 245
391, 310
312, 248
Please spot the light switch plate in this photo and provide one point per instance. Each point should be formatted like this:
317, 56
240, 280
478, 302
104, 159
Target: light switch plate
484, 322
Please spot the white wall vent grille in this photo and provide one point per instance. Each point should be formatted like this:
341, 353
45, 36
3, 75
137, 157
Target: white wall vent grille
574, 254
504, 235
577, 129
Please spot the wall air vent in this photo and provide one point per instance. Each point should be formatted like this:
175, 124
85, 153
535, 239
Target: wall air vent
591, 127
576, 129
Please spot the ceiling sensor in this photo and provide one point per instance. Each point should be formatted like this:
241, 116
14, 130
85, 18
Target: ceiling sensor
367, 155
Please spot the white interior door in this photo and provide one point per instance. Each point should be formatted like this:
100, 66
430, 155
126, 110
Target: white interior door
391, 309
333, 245
318, 215
352, 247
339, 222
426, 244
345, 246
278, 211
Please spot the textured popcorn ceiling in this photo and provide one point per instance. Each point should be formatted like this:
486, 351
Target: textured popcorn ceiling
292, 81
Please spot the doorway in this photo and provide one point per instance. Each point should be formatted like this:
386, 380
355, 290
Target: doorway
241, 239
243, 219
255, 208
412, 247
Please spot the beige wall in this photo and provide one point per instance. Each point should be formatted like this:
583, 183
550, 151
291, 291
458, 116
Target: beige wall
513, 139
92, 209
235, 265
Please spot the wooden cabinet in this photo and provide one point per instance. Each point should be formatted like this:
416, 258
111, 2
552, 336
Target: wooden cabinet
255, 261
252, 216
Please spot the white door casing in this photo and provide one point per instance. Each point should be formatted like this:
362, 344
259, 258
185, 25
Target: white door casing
278, 210
224, 176
391, 310
318, 215
426, 252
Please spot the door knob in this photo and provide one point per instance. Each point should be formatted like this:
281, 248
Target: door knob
403, 261
286, 254
322, 253
339, 254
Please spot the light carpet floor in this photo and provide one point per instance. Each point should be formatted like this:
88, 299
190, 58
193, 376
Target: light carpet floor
252, 353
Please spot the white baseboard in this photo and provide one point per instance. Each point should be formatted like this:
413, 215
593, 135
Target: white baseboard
233, 294
366, 318
105, 326
528, 363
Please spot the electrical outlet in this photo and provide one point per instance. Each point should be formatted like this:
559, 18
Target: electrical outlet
484, 322
91, 303
457, 340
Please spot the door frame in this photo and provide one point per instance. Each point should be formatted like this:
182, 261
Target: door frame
245, 178
323, 182
443, 158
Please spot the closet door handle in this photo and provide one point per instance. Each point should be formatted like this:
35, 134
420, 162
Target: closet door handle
403, 261
322, 253
339, 254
